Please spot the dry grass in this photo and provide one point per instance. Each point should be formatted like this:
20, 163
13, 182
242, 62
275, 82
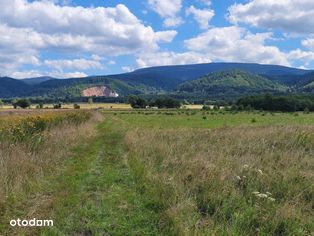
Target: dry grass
21, 166
82, 105
202, 181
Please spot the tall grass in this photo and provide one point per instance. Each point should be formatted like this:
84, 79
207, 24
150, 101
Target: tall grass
228, 181
32, 147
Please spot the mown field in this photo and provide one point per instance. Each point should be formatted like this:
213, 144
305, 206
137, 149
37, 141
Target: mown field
170, 172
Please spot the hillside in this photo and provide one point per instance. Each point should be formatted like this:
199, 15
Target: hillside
37, 80
165, 80
231, 82
169, 77
12, 88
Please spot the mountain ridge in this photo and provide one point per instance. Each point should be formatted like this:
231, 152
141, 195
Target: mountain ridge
152, 80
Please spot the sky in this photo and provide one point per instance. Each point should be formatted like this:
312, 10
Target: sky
77, 38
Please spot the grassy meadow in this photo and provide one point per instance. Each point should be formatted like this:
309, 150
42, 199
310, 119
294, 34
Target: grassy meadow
160, 172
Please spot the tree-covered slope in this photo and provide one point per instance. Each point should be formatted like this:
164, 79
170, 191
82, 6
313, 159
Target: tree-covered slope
169, 77
74, 87
231, 82
166, 79
12, 88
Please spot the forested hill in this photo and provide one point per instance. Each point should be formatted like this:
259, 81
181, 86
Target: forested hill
231, 82
244, 79
169, 77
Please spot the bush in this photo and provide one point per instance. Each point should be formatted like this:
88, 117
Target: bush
166, 103
137, 102
57, 106
40, 106
76, 106
216, 108
22, 103
206, 108
306, 110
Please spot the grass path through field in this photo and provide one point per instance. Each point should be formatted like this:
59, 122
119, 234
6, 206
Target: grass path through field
97, 195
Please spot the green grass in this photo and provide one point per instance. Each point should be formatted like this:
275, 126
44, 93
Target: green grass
194, 119
96, 194
175, 173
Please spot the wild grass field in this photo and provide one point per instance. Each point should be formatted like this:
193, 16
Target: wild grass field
170, 172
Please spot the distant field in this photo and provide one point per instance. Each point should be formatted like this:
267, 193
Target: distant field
162, 172
211, 119
82, 105
95, 106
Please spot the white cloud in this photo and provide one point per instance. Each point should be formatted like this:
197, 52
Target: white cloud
206, 2
127, 68
111, 62
173, 22
202, 16
298, 55
27, 28
236, 44
168, 10
55, 74
170, 58
76, 64
291, 16
308, 43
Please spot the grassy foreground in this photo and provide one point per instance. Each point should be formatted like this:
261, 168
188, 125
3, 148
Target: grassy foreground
179, 173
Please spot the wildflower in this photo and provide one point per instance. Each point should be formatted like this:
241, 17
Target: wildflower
262, 195
246, 166
271, 199
244, 177
238, 178
260, 171
268, 193
255, 193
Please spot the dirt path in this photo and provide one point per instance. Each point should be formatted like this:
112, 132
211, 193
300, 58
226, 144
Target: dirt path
95, 194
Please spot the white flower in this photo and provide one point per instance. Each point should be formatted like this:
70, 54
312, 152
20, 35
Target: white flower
262, 195
271, 199
268, 193
238, 178
246, 166
255, 193
260, 171
244, 177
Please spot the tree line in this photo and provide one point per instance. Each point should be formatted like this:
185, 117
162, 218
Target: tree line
285, 103
139, 102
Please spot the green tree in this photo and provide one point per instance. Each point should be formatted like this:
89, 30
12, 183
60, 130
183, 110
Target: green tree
90, 101
23, 103
14, 103
76, 106
57, 106
137, 102
40, 106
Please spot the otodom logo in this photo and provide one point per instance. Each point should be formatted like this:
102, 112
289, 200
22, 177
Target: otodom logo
31, 223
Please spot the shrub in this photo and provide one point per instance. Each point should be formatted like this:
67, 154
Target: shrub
206, 108
40, 106
306, 110
76, 106
57, 106
137, 102
22, 103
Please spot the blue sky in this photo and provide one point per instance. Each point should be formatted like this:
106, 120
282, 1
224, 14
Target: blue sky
75, 38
